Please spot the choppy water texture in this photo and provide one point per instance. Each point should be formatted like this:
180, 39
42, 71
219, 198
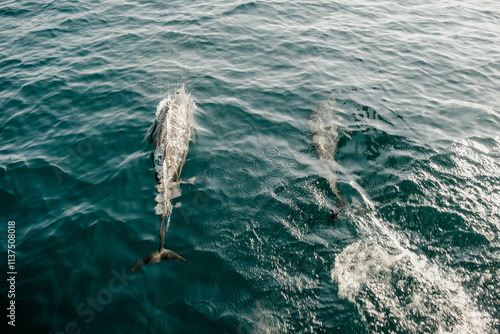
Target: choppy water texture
414, 87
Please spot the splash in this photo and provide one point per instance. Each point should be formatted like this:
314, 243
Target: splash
398, 291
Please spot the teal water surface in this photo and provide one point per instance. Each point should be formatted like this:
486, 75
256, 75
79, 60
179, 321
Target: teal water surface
415, 86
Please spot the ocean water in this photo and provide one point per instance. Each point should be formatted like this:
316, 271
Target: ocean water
414, 87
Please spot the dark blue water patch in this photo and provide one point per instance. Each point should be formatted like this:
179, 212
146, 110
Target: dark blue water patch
13, 12
65, 248
34, 92
59, 187
198, 43
425, 219
33, 62
12, 108
9, 203
306, 278
203, 302
44, 35
63, 7
244, 8
9, 65
206, 85
89, 21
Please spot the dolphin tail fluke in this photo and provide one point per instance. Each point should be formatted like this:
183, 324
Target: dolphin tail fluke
157, 256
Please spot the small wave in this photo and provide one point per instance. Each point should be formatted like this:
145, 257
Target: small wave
244, 8
13, 12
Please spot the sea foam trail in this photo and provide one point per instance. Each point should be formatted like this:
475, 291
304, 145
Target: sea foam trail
398, 290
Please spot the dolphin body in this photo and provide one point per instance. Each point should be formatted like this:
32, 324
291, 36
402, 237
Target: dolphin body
172, 131
324, 125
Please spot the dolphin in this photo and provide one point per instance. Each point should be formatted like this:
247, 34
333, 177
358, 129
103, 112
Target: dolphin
171, 132
324, 126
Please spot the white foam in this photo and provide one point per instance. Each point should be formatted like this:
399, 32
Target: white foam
264, 320
393, 287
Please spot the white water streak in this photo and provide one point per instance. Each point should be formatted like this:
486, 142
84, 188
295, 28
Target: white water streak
394, 287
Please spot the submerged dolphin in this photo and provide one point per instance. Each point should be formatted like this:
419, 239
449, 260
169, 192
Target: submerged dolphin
324, 126
172, 131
